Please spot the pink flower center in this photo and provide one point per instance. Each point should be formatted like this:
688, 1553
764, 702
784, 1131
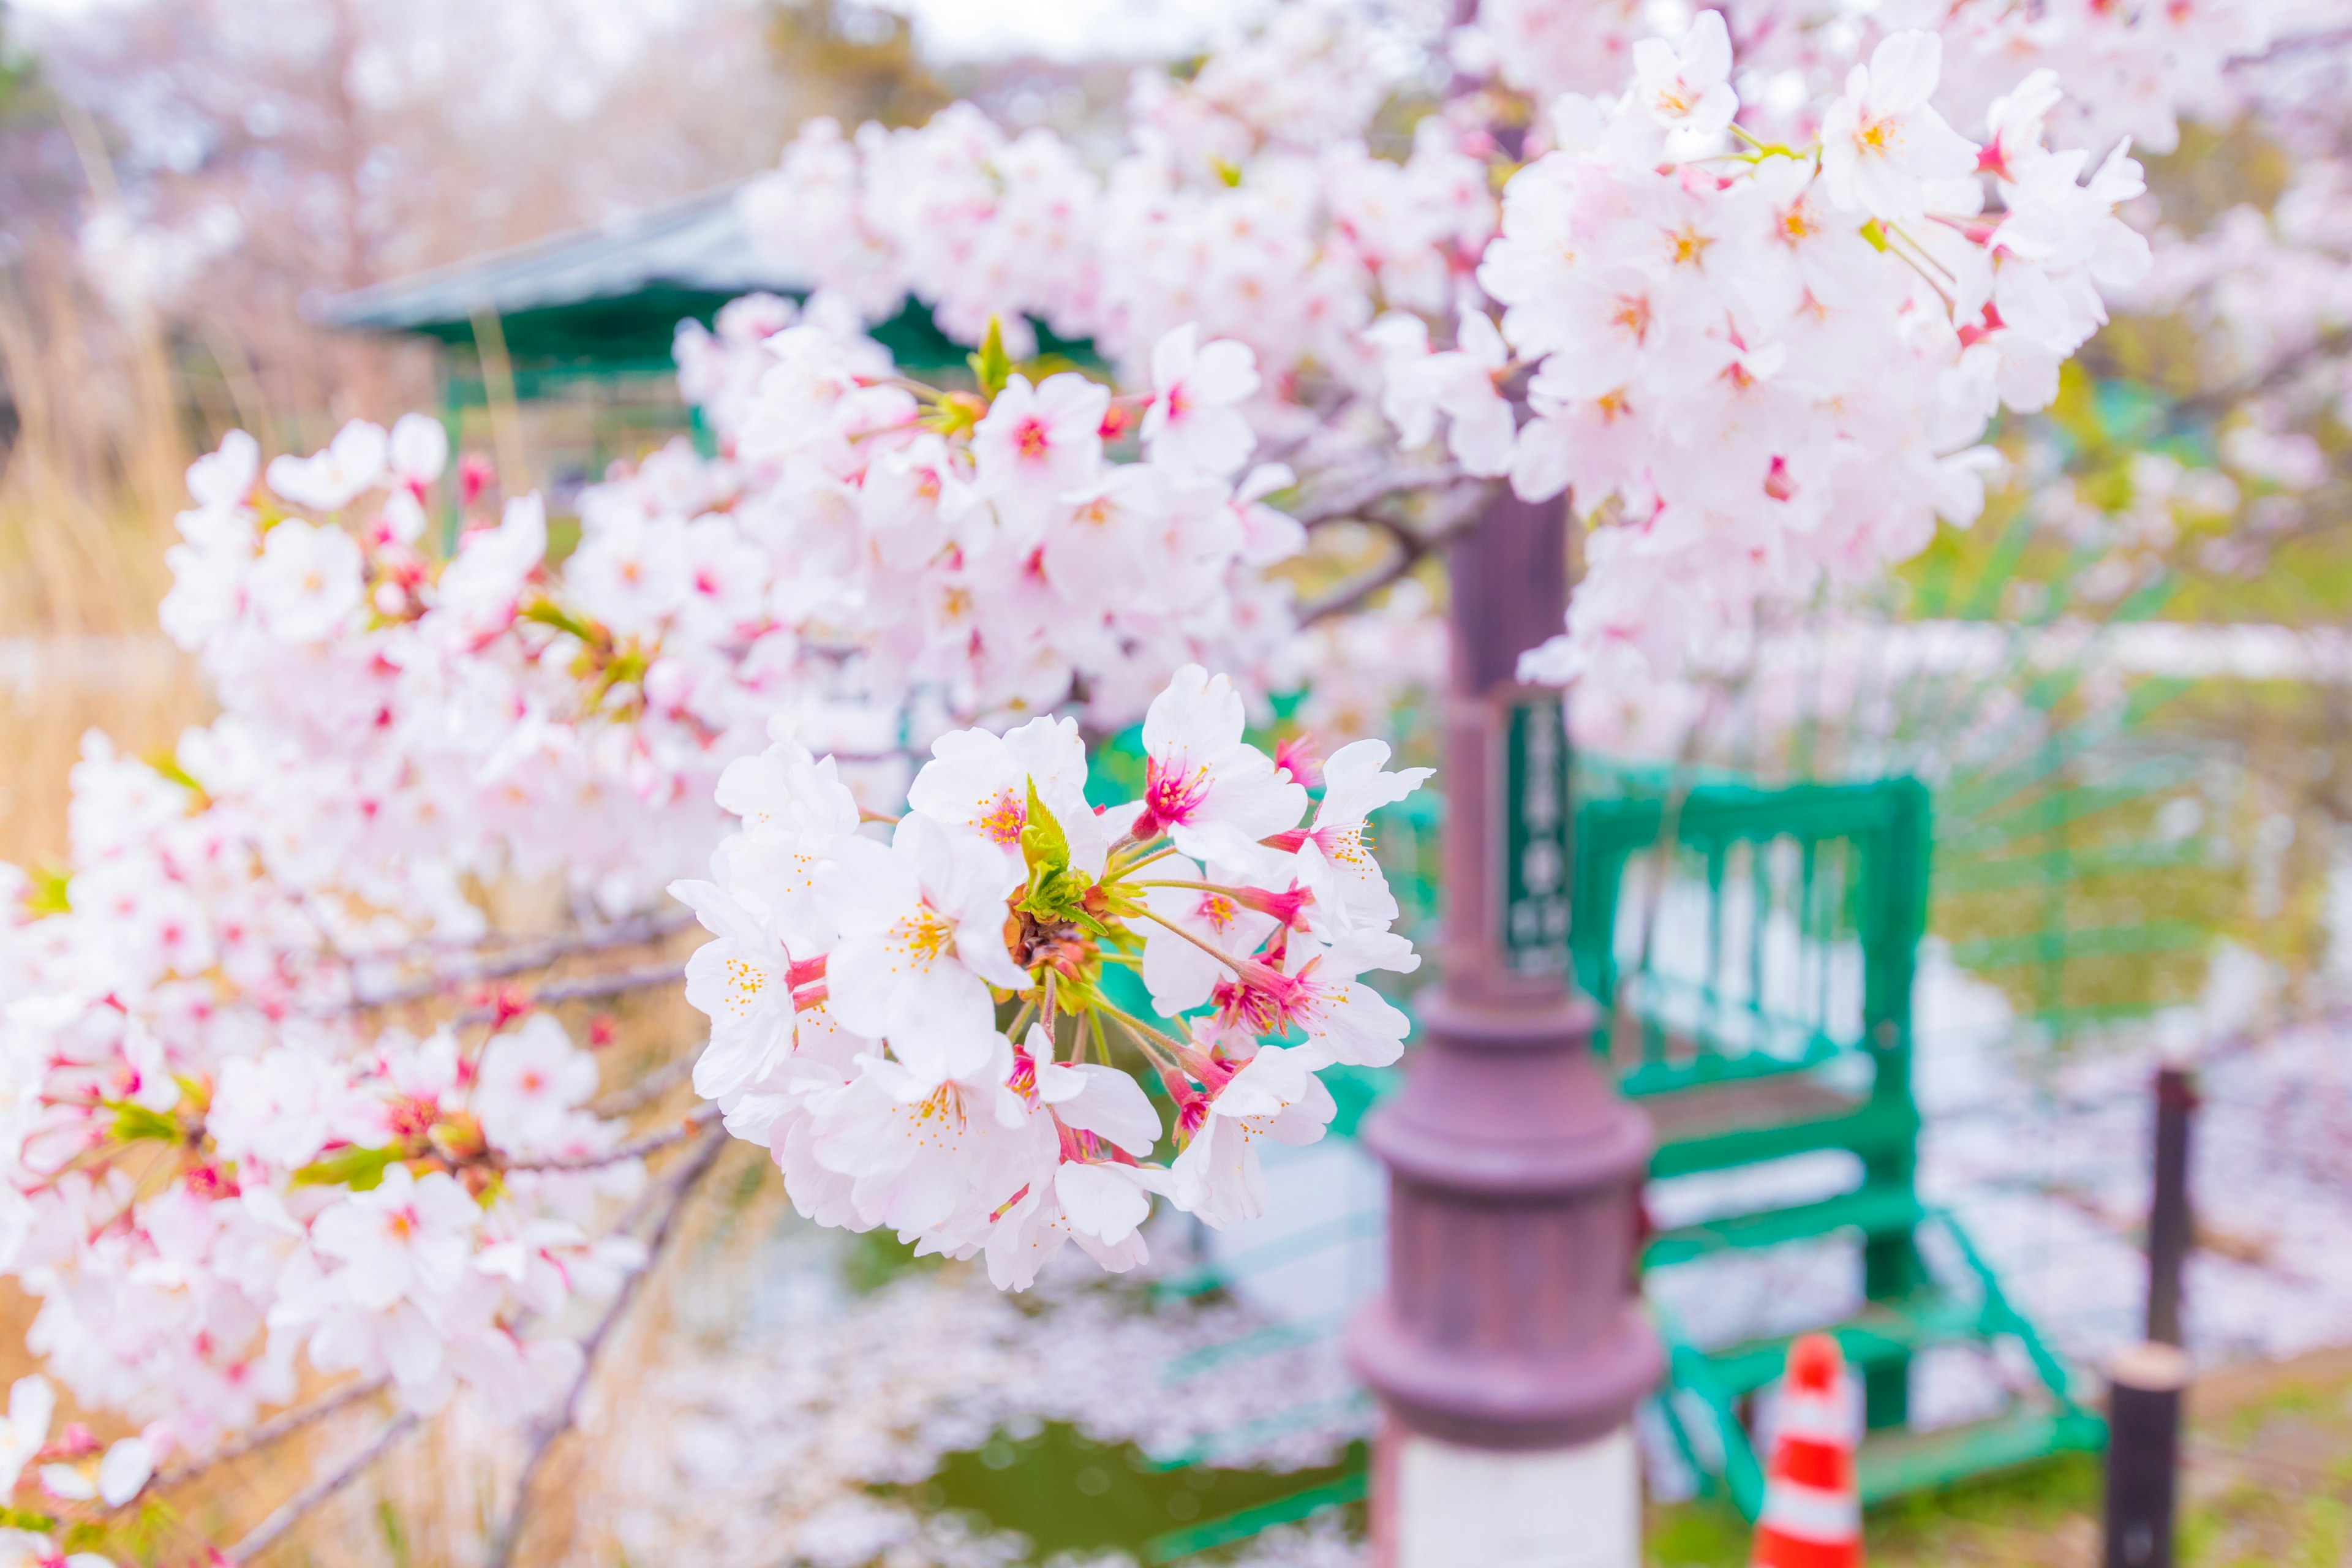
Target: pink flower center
1172, 793
1003, 821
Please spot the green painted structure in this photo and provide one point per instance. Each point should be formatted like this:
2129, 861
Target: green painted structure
1782, 1027
1755, 948
601, 305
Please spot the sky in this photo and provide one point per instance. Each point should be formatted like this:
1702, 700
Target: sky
977, 29
1074, 29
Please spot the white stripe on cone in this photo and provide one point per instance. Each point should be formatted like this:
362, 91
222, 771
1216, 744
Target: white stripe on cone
1810, 1513
1821, 1417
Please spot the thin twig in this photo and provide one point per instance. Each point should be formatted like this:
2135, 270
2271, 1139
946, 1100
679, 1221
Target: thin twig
1340, 502
647, 1089
2301, 43
1412, 549
538, 955
2283, 369
289, 1513
283, 1424
701, 1116
589, 986
511, 1534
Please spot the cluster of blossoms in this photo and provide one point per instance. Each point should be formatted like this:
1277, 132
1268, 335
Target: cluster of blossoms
2136, 69
215, 1164
924, 1033
879, 558
1759, 367
1771, 367
1262, 216
977, 554
261, 1118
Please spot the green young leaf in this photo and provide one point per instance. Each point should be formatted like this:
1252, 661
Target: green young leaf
362, 1169
1874, 232
1043, 842
548, 613
47, 895
992, 365
1228, 172
168, 765
955, 413
26, 1519
83, 1535
134, 1123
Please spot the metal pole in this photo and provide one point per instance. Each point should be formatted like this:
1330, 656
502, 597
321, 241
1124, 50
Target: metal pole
2143, 1454
1510, 1349
2170, 1224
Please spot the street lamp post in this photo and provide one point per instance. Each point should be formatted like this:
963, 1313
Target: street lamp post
1510, 1349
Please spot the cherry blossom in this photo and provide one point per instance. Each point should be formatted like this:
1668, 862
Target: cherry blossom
352, 464
1275, 1095
1882, 143
921, 940
1686, 86
1040, 442
31, 1405
1192, 422
1203, 784
995, 910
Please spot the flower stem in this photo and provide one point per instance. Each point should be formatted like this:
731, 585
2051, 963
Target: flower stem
1144, 1033
1217, 952
1117, 871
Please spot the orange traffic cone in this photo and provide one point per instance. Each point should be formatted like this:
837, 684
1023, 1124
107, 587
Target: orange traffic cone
1812, 1511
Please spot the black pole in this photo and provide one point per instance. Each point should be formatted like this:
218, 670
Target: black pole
2170, 1224
2143, 1454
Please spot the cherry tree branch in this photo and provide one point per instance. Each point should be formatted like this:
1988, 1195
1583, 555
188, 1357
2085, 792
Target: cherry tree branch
289, 1514
1412, 549
682, 1188
1341, 501
701, 1116
647, 1089
587, 987
2301, 43
2281, 371
537, 955
284, 1423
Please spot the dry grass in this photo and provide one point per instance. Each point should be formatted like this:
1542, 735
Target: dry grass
88, 489
90, 484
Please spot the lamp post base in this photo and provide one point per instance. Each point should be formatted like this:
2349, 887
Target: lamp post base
1510, 1348
1444, 1505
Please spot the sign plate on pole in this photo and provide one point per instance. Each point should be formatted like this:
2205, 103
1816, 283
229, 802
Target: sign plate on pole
1536, 845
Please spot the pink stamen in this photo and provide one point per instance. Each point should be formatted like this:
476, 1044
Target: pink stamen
1263, 997
1297, 757
1171, 795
